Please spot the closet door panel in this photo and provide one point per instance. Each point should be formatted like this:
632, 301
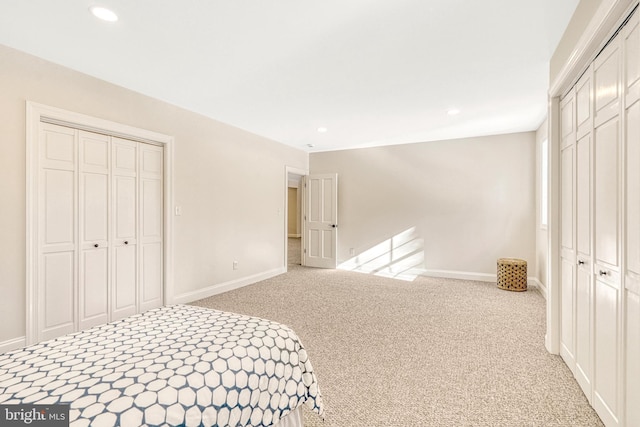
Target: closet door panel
632, 191
124, 286
567, 350
151, 266
584, 292
567, 198
151, 278
632, 346
567, 230
583, 196
606, 201
151, 226
583, 329
125, 202
58, 202
632, 61
94, 208
58, 145
57, 315
584, 105
125, 235
151, 194
606, 366
93, 293
607, 83
567, 124
57, 230
125, 157
95, 280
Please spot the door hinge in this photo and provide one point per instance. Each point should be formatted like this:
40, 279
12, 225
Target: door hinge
305, 250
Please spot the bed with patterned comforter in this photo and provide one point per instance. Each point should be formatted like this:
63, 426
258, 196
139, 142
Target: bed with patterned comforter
176, 365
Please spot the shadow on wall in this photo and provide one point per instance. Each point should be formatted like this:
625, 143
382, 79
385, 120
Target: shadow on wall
400, 257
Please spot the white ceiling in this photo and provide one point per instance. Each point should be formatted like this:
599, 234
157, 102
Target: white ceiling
373, 72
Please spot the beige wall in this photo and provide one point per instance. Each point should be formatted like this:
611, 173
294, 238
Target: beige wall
471, 200
579, 21
542, 253
229, 182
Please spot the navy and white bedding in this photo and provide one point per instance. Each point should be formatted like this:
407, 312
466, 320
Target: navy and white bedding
176, 365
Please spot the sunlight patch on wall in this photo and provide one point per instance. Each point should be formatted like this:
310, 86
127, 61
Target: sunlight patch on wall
400, 257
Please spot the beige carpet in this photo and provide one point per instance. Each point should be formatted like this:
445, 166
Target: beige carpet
433, 352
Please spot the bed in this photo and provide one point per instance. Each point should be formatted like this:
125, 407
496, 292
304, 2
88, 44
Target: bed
176, 365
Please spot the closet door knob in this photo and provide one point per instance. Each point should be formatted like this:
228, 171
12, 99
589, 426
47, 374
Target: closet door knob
126, 242
96, 245
603, 272
580, 262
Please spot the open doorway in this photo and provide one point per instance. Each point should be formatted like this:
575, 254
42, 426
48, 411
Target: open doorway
293, 217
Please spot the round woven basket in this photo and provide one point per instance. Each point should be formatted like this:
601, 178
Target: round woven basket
512, 274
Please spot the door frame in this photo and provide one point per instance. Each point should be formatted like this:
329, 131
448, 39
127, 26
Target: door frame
37, 113
300, 172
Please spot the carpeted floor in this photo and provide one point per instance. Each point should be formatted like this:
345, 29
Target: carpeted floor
432, 352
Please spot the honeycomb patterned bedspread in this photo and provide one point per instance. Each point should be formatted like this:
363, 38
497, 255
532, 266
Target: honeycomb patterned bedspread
175, 365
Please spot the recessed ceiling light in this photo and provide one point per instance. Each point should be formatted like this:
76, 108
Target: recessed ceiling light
103, 13
453, 111
322, 129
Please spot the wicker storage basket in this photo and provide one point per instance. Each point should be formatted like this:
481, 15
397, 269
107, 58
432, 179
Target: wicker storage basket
512, 274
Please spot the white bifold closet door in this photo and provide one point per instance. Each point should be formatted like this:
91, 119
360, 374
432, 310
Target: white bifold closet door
100, 229
600, 229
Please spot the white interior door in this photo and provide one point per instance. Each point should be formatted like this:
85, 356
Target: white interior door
320, 221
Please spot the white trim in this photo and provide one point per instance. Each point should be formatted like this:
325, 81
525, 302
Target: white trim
532, 282
227, 286
295, 236
36, 113
536, 283
12, 344
462, 275
590, 43
552, 337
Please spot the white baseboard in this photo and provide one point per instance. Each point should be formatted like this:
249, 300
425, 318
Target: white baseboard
538, 284
12, 344
532, 282
462, 275
226, 286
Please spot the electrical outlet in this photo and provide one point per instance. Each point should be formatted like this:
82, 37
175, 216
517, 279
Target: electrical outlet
235, 265
352, 251
178, 210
